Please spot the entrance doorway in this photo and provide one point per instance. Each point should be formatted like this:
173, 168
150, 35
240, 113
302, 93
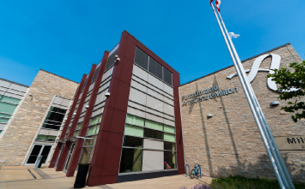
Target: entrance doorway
38, 150
68, 158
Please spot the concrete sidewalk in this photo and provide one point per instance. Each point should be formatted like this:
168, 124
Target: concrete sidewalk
25, 177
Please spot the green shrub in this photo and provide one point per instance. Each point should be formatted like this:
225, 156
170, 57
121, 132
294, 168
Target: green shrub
241, 182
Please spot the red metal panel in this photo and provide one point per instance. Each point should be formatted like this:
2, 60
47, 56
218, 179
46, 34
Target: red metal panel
76, 97
78, 112
113, 121
82, 101
178, 124
78, 147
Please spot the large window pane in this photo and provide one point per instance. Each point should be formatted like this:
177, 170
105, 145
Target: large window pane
153, 134
41, 137
169, 137
153, 125
167, 76
5, 115
10, 99
7, 108
141, 58
134, 120
79, 126
133, 130
93, 130
51, 138
170, 160
131, 160
169, 146
76, 133
133, 142
95, 120
169, 129
3, 120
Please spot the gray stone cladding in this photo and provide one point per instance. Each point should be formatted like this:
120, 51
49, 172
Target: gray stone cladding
229, 143
28, 119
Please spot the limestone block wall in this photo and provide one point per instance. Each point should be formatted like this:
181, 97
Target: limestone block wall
230, 142
28, 119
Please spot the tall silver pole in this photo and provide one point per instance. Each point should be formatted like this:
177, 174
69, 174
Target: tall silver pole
272, 150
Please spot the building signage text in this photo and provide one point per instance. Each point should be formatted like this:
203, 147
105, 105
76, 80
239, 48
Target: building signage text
290, 143
210, 93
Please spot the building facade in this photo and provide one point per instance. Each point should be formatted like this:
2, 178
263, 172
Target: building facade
219, 130
11, 94
33, 126
125, 119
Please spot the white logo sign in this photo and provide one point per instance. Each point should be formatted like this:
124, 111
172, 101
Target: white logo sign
275, 64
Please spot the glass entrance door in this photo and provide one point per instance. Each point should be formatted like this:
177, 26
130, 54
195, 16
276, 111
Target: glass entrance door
38, 150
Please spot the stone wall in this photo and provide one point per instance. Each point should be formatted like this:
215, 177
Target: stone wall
229, 142
27, 120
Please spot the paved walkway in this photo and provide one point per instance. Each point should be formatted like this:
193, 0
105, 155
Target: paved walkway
25, 177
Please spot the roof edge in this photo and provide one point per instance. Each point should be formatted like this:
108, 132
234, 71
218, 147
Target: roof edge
286, 44
58, 76
14, 82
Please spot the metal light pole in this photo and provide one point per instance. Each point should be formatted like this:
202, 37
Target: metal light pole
271, 147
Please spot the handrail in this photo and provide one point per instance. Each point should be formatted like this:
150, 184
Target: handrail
186, 170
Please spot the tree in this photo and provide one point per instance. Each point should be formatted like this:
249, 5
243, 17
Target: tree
288, 80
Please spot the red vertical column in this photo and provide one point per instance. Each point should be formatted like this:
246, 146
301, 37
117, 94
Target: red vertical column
70, 114
78, 147
178, 124
106, 158
64, 154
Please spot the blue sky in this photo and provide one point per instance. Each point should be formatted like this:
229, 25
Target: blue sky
67, 37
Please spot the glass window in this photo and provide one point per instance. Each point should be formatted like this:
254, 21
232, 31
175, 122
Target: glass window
79, 126
0, 132
7, 108
153, 133
167, 76
169, 129
5, 115
10, 99
95, 120
41, 137
153, 125
170, 160
4, 119
133, 142
131, 160
93, 130
134, 120
169, 137
169, 146
76, 133
133, 130
51, 138
141, 58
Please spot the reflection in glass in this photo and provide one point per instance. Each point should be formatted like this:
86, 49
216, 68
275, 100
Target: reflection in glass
131, 160
169, 160
153, 134
133, 142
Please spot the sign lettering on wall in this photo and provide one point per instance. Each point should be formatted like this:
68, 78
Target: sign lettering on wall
210, 93
275, 64
290, 142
